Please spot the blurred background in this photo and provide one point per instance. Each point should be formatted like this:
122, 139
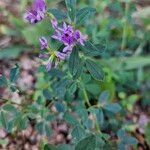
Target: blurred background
123, 25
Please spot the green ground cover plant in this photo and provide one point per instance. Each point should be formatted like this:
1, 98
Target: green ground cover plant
91, 73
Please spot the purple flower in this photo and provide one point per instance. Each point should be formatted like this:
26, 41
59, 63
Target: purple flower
49, 65
36, 12
54, 23
80, 37
43, 56
57, 35
52, 60
43, 43
68, 49
60, 55
64, 34
67, 36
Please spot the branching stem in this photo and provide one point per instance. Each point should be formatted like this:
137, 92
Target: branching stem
86, 97
90, 106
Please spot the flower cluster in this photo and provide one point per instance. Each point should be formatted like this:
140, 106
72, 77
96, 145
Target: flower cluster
49, 55
37, 12
69, 38
66, 34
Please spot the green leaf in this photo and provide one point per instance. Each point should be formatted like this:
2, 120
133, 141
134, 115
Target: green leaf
114, 108
86, 78
121, 146
10, 125
78, 133
103, 98
60, 106
100, 116
65, 147
21, 121
3, 81
147, 133
80, 69
95, 70
90, 49
10, 108
93, 88
48, 130
130, 141
70, 118
50, 147
14, 73
74, 61
88, 143
50, 117
60, 88
121, 134
40, 127
82, 113
72, 88
57, 13
47, 94
71, 6
99, 141
56, 73
110, 145
105, 136
3, 119
83, 14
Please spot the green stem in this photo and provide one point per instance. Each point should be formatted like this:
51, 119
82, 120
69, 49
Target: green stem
124, 35
51, 50
84, 93
97, 126
86, 97
88, 103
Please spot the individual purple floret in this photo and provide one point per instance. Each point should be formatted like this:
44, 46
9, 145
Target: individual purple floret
37, 12
67, 35
50, 57
43, 43
49, 65
80, 37
43, 56
60, 55
54, 59
54, 23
